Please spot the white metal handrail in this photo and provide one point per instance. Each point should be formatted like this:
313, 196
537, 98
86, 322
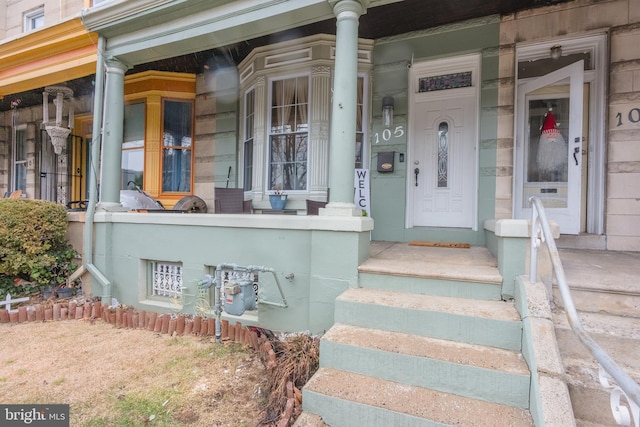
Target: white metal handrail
626, 386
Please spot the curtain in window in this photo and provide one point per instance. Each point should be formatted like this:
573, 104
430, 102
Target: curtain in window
288, 143
176, 154
303, 102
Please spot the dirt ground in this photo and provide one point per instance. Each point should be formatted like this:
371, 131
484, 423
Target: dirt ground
127, 377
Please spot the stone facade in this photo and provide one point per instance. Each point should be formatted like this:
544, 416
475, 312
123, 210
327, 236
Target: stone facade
619, 21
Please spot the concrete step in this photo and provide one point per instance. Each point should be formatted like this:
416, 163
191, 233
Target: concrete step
474, 287
469, 370
348, 399
464, 273
619, 336
489, 323
602, 281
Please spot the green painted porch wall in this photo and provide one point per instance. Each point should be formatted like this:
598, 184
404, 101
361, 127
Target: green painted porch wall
392, 58
323, 262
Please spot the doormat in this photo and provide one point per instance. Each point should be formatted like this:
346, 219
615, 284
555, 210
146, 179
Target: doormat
441, 244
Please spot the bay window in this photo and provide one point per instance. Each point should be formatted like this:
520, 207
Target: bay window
286, 118
158, 143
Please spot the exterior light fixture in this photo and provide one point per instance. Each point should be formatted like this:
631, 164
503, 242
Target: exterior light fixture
556, 51
56, 131
387, 111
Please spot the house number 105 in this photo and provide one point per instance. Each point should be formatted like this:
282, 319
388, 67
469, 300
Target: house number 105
633, 116
387, 134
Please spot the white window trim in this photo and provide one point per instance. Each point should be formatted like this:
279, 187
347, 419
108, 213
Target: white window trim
269, 134
14, 161
32, 15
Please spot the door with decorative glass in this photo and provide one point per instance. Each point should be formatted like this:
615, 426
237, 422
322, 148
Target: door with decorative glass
443, 125
549, 146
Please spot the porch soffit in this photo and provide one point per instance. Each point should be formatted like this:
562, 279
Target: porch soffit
53, 55
192, 26
143, 31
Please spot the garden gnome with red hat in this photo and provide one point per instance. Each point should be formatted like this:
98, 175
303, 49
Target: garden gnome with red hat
552, 151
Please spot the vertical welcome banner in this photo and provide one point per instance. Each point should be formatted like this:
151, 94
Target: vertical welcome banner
362, 193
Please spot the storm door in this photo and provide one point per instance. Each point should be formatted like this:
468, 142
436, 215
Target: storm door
549, 146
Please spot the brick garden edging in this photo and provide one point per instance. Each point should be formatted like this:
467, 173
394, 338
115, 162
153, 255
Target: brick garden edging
163, 323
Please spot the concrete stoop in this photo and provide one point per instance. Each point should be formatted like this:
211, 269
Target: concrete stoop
619, 336
349, 399
395, 358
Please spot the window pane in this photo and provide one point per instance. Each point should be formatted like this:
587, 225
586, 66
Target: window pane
289, 127
248, 164
359, 117
133, 146
132, 167
20, 160
443, 155
359, 147
288, 159
33, 19
176, 170
248, 139
289, 105
177, 139
133, 126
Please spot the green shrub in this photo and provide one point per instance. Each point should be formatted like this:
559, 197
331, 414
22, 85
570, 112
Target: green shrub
33, 244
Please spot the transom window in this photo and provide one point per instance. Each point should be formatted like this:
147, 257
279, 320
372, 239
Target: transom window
289, 134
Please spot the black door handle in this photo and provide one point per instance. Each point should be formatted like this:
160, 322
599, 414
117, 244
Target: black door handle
417, 172
576, 151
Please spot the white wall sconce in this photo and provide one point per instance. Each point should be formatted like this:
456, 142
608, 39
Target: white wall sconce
556, 51
57, 132
387, 111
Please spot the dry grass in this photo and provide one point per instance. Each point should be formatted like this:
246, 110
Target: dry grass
124, 377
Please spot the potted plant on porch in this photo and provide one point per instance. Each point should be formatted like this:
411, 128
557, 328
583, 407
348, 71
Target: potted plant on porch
277, 198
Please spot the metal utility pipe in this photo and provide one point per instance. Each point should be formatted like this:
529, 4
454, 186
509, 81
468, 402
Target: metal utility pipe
209, 281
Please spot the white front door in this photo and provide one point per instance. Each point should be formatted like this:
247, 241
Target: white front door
550, 169
443, 137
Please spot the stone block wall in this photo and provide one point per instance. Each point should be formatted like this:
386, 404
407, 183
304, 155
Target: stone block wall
620, 20
623, 154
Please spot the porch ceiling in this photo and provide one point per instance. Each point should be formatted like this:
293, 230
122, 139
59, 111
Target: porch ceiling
208, 34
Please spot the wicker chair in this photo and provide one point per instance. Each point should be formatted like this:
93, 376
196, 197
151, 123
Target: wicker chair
231, 200
313, 206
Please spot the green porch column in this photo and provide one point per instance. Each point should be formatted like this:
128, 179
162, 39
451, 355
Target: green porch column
342, 136
112, 135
